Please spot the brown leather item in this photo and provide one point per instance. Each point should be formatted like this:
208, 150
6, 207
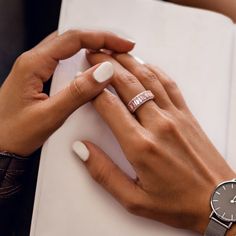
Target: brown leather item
12, 179
12, 169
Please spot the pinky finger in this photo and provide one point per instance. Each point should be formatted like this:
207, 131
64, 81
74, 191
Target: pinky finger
110, 176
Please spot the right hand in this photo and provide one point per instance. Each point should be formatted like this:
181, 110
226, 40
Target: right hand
176, 164
27, 115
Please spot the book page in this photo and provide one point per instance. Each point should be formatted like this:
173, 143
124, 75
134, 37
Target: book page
192, 46
232, 119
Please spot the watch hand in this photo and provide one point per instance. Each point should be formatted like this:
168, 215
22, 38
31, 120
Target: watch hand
233, 200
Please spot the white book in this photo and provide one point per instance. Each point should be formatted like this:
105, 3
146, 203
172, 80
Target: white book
231, 148
196, 48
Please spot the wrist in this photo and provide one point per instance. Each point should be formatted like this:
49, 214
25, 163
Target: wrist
204, 209
232, 231
208, 210
14, 145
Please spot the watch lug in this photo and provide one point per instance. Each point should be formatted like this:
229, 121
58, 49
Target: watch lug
214, 217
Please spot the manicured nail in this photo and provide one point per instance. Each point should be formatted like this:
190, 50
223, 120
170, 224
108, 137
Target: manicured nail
106, 90
131, 40
92, 51
139, 60
106, 51
81, 150
63, 30
104, 72
78, 74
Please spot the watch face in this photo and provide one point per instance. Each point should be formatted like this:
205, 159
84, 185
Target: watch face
223, 201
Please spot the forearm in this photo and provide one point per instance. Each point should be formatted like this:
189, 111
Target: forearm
227, 7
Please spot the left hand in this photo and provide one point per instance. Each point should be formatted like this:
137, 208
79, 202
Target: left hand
177, 166
27, 115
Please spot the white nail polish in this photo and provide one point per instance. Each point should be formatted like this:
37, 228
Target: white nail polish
139, 60
106, 90
106, 51
104, 72
131, 40
63, 30
81, 150
78, 74
92, 51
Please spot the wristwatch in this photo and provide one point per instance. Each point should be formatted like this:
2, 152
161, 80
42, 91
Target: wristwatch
223, 204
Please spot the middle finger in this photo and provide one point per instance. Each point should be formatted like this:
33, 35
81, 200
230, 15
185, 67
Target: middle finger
127, 86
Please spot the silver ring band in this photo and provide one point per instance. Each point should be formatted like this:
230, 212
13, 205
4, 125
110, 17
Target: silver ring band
139, 100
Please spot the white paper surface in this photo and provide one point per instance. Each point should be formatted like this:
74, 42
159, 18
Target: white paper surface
232, 119
193, 46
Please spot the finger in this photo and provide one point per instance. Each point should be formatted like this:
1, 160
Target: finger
148, 79
109, 175
72, 41
119, 119
84, 88
127, 86
47, 39
170, 87
42, 61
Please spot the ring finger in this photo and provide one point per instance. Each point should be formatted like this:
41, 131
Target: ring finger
127, 86
148, 79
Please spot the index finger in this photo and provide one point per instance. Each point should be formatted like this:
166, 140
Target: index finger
67, 44
43, 59
51, 36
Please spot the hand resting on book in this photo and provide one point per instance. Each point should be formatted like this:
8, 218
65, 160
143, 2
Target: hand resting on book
27, 115
176, 164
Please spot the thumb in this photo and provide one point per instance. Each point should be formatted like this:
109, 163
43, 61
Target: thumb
110, 176
85, 87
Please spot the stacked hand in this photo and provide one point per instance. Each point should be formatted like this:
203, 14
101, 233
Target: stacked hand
177, 166
27, 115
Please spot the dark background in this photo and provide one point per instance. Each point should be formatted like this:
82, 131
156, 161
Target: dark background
23, 23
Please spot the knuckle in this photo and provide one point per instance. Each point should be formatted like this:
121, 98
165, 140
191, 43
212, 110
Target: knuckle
24, 61
99, 177
127, 78
167, 126
170, 84
76, 88
146, 144
107, 33
105, 100
133, 206
148, 75
103, 174
72, 33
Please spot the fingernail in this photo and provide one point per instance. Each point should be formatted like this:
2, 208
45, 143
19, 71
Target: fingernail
104, 72
78, 74
63, 30
131, 40
92, 51
106, 51
81, 150
106, 90
139, 60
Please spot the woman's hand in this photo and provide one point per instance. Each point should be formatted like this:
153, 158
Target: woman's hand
27, 115
177, 166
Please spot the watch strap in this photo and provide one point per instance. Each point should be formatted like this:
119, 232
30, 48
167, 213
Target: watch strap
215, 229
